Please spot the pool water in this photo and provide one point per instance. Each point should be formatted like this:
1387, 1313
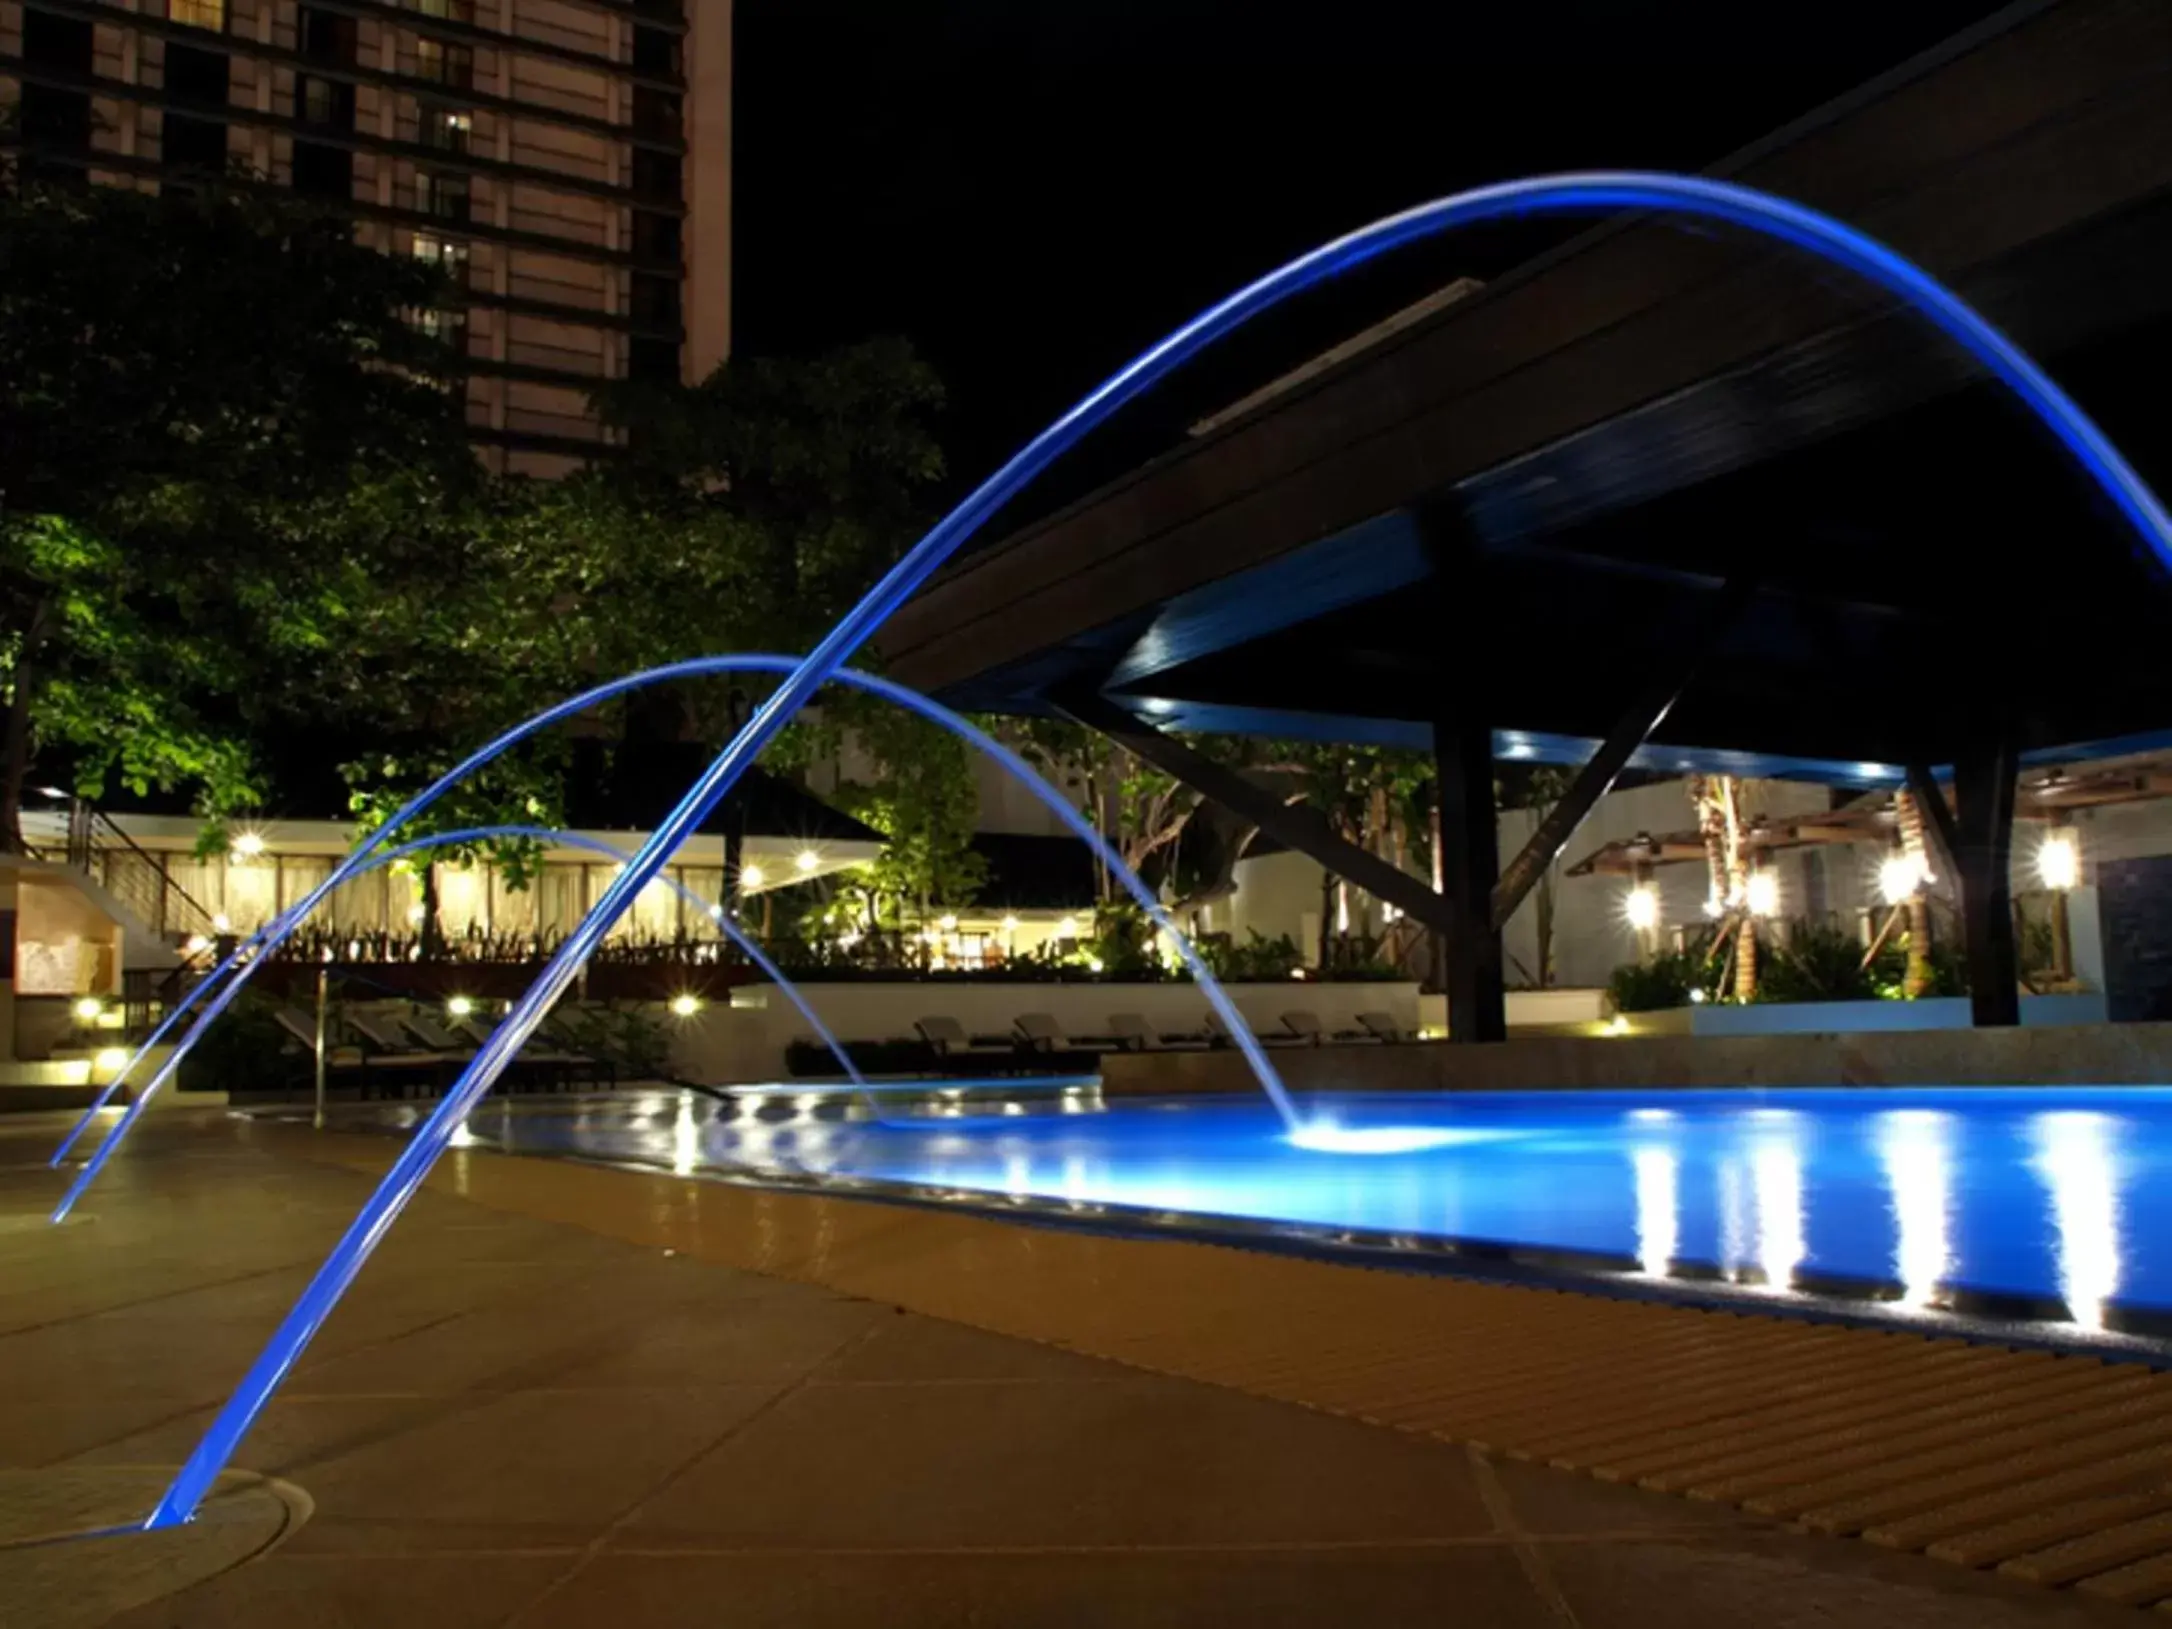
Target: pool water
2051, 1201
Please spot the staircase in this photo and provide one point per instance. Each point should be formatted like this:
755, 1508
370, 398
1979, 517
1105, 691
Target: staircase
168, 938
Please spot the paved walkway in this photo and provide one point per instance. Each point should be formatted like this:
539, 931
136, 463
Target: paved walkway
524, 1422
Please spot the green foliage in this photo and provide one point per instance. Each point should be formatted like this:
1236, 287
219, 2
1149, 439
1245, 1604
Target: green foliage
210, 409
922, 799
1822, 962
1665, 981
1257, 959
1123, 943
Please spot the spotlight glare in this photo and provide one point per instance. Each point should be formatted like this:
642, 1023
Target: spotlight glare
685, 1005
88, 1008
807, 859
751, 877
2058, 861
1640, 906
1900, 878
1763, 894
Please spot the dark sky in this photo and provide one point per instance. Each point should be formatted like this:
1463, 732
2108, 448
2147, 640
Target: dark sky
1032, 190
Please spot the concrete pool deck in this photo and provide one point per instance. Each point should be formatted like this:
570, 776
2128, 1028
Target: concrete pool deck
569, 1395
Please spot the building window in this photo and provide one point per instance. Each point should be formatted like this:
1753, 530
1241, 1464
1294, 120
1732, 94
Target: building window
655, 300
328, 37
652, 361
193, 144
655, 52
655, 114
444, 196
197, 78
60, 43
449, 257
326, 103
655, 176
447, 11
56, 120
198, 13
322, 171
656, 238
446, 130
446, 325
445, 64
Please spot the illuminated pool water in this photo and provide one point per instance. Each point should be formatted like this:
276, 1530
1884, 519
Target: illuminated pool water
2040, 1203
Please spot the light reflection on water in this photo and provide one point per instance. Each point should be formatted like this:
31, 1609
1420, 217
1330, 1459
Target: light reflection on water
2048, 1195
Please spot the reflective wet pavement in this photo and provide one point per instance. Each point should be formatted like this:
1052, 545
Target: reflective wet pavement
533, 1412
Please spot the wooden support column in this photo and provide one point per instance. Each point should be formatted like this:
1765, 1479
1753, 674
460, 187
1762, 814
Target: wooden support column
1470, 865
1984, 778
1470, 853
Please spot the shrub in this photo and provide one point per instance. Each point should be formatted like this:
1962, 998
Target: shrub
1819, 962
1664, 981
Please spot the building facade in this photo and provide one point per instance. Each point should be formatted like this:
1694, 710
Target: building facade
568, 162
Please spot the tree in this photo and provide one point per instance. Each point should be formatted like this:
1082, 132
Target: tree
199, 398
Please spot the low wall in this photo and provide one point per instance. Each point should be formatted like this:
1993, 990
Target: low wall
745, 1041
2090, 1055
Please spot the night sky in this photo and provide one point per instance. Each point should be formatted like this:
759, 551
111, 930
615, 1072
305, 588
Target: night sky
1032, 191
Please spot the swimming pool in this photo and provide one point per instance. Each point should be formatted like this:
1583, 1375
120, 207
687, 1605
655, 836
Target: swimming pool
2038, 1204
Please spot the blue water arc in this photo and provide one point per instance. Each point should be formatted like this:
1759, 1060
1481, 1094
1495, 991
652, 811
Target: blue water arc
1693, 196
241, 966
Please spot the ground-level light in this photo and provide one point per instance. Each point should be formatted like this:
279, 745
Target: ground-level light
460, 1006
685, 1005
111, 1060
88, 1008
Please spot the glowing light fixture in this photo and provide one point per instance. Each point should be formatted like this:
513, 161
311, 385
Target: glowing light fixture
414, 913
1067, 928
1640, 908
1697, 997
460, 1006
948, 923
751, 876
1901, 877
222, 923
1325, 1137
197, 944
1094, 964
249, 845
1763, 894
807, 859
1618, 1024
111, 1059
2058, 861
1010, 924
685, 1005
88, 1008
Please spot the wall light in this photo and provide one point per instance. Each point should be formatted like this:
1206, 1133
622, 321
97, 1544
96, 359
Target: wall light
807, 859
2058, 861
222, 923
1067, 928
1640, 908
249, 845
1762, 896
948, 923
87, 1009
1900, 878
751, 876
1010, 924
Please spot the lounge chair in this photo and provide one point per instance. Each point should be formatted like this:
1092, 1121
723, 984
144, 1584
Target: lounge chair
392, 1065
1218, 1034
1043, 1035
947, 1039
1383, 1027
1134, 1034
338, 1060
550, 1069
1306, 1026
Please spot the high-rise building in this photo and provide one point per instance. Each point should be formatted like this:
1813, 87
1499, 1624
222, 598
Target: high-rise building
567, 161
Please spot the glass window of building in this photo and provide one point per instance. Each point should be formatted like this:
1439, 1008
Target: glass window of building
197, 13
446, 129
448, 256
443, 63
